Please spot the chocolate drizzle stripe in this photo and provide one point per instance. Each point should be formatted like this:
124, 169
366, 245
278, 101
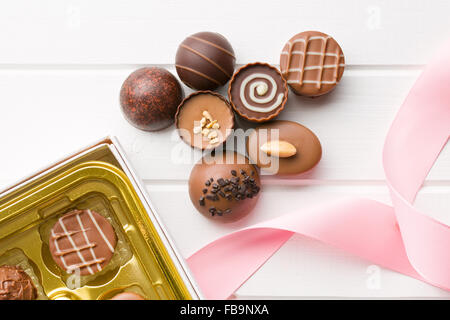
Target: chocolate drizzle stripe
72, 250
313, 53
214, 45
327, 66
111, 248
198, 73
62, 235
69, 237
303, 58
322, 62
55, 238
89, 244
82, 265
313, 81
308, 38
337, 64
188, 84
285, 73
206, 58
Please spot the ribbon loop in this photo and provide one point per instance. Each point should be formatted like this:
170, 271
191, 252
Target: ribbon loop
399, 237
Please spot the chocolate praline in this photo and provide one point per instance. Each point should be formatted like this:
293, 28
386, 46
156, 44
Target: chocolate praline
258, 92
224, 186
300, 150
149, 98
83, 241
127, 296
205, 61
204, 120
16, 284
312, 62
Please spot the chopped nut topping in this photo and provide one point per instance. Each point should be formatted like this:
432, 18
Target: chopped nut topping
197, 130
214, 141
207, 115
212, 135
208, 128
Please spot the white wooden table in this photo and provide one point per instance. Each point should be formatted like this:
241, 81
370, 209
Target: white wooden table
62, 63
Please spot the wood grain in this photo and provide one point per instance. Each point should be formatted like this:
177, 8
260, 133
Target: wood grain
62, 64
303, 267
50, 113
115, 31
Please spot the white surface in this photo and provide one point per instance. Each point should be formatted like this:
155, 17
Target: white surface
62, 64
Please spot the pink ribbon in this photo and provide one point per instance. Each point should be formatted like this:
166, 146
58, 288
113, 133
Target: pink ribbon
397, 237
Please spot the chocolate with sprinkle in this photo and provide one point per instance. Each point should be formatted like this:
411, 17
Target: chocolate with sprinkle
232, 189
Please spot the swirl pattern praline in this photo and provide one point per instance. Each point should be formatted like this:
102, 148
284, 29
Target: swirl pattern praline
258, 92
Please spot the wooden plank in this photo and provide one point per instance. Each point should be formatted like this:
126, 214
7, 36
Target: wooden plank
62, 63
48, 113
303, 267
148, 32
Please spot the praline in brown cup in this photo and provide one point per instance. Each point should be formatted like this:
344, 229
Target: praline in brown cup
258, 92
224, 186
204, 120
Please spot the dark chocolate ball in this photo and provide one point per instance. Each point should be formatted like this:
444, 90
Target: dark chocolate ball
149, 98
205, 61
225, 187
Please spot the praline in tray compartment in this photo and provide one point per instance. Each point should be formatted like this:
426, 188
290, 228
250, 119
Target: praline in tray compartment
140, 258
17, 260
62, 233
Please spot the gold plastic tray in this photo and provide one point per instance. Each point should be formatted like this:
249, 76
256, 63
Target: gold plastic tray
145, 267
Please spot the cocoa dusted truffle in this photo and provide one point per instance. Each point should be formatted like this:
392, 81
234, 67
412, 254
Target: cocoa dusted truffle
258, 92
224, 186
149, 98
205, 61
82, 240
204, 120
16, 284
312, 62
